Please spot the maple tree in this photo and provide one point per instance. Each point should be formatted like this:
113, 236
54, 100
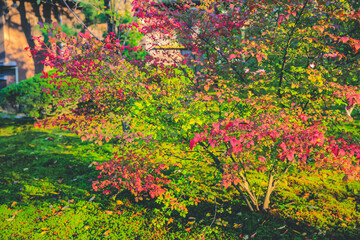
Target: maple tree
261, 92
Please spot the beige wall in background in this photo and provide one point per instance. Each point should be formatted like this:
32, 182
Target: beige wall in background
21, 24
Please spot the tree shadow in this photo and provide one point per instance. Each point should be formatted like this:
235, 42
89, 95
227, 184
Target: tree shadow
38, 166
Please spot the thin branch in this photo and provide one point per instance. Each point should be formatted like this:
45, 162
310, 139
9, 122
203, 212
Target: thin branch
214, 214
244, 196
214, 47
290, 36
214, 157
77, 17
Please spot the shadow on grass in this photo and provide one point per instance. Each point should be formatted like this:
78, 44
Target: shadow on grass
5, 122
39, 165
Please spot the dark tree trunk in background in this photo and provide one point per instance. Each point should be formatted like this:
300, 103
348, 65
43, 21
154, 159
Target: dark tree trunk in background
57, 14
47, 12
2, 41
110, 24
36, 10
26, 27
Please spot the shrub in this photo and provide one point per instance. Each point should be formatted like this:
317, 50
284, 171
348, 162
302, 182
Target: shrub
258, 106
28, 96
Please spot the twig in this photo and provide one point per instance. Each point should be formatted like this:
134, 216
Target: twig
214, 214
76, 16
291, 34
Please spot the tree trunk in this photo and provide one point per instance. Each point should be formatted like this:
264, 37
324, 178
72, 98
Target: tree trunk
110, 24
269, 190
349, 110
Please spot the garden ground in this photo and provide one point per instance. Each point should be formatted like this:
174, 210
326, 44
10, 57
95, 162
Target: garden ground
45, 193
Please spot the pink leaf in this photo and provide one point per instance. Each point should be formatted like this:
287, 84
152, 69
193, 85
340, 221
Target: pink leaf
258, 58
232, 56
290, 156
281, 19
192, 144
345, 39
283, 146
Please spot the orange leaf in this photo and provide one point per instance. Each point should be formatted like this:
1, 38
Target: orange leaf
356, 47
109, 212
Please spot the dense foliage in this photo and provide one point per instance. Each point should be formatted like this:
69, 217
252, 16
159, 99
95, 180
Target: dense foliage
262, 92
28, 96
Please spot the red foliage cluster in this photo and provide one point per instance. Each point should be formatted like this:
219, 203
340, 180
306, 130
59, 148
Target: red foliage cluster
281, 138
132, 173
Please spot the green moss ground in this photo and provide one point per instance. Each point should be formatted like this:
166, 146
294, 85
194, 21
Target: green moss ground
45, 193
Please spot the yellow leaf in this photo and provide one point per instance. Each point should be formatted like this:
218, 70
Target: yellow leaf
86, 227
43, 232
185, 127
109, 212
118, 202
13, 204
178, 164
237, 225
10, 219
206, 87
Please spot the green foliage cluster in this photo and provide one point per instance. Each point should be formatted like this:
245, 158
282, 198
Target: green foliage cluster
95, 13
28, 96
92, 14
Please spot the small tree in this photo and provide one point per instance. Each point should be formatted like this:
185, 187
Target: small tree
241, 104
